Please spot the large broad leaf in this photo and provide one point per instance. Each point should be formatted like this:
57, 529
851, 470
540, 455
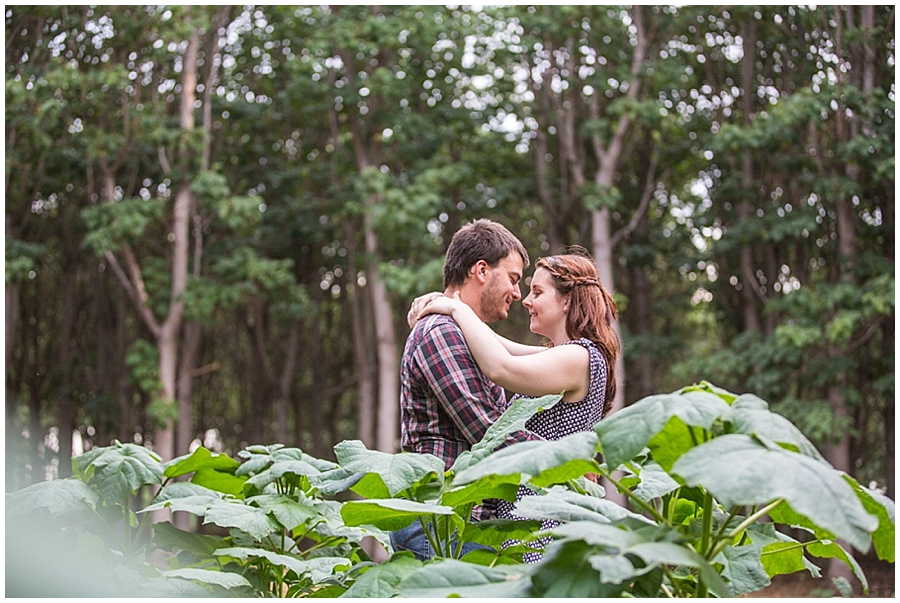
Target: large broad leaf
223, 579
512, 420
183, 490
333, 526
645, 543
627, 432
490, 486
740, 470
546, 462
386, 475
881, 507
318, 568
201, 458
289, 512
388, 514
59, 497
251, 520
568, 569
753, 417
195, 504
452, 578
277, 470
119, 470
168, 538
561, 504
494, 532
381, 581
220, 481
832, 550
742, 567
655, 482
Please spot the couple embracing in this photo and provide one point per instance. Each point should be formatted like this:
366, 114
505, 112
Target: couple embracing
455, 368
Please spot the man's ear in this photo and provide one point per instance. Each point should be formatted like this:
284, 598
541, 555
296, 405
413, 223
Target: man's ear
479, 271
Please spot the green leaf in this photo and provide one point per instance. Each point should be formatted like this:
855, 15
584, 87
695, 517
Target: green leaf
562, 504
645, 544
59, 497
195, 504
881, 507
655, 483
224, 579
744, 570
388, 514
251, 520
512, 420
547, 461
201, 458
672, 441
220, 481
832, 550
381, 581
289, 512
183, 490
738, 470
627, 432
782, 557
386, 474
168, 538
753, 417
121, 469
318, 568
568, 570
494, 532
452, 578
490, 486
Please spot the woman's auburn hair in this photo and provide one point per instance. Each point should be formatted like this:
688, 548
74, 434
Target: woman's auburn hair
591, 312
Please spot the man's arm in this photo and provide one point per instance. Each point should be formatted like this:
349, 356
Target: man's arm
465, 394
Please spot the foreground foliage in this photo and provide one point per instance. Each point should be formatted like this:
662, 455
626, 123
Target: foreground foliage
715, 480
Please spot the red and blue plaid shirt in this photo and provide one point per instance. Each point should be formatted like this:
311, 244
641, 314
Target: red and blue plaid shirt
446, 402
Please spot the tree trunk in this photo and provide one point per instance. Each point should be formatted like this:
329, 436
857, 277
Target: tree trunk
386, 439
745, 208
168, 340
285, 385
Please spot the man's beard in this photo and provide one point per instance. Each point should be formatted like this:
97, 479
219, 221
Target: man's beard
493, 302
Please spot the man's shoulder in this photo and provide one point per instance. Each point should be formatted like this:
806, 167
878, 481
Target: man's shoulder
432, 332
433, 325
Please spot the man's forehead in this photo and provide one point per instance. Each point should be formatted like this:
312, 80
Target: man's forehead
513, 263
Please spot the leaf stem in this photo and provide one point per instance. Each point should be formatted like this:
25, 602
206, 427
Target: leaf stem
621, 488
749, 521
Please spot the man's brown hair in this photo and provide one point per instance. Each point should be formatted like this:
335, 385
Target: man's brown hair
479, 240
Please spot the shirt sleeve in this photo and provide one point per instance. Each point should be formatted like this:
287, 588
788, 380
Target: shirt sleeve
464, 393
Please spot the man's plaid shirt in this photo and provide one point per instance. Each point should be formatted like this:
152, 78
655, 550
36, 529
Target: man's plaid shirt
446, 402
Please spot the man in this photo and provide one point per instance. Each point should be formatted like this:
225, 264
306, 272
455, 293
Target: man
446, 402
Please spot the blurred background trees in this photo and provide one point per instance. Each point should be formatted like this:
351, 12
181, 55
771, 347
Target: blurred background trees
216, 217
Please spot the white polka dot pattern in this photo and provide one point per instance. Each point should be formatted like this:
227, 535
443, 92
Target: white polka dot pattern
564, 418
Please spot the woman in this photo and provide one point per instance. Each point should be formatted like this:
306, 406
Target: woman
570, 307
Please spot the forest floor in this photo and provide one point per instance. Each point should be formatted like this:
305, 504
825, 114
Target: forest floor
879, 574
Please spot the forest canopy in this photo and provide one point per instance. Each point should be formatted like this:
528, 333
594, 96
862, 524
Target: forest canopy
216, 217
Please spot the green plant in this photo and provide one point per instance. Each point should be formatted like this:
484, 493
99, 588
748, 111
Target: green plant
713, 480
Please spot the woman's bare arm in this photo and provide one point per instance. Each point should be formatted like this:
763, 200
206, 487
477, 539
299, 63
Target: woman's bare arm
553, 370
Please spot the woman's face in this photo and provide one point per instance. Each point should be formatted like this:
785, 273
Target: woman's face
546, 306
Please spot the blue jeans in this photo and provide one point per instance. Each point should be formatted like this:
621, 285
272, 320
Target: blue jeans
412, 538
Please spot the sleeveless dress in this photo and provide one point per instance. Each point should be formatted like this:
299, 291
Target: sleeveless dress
564, 418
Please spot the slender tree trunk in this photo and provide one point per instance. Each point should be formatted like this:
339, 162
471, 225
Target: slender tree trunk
168, 340
745, 207
643, 326
386, 439
285, 385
